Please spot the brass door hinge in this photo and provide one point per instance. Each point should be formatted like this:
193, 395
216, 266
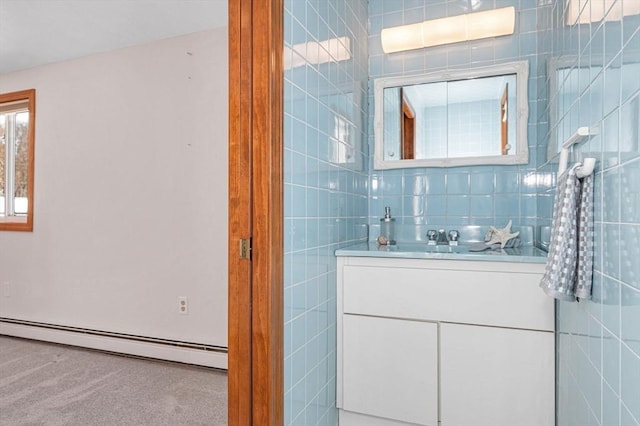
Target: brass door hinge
245, 248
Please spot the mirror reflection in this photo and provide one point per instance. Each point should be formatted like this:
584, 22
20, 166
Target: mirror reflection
450, 119
465, 117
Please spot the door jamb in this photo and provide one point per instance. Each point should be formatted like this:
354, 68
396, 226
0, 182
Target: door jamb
255, 212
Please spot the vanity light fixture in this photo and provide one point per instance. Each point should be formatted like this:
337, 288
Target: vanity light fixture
454, 29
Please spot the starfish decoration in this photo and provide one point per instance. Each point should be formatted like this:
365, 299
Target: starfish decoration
501, 235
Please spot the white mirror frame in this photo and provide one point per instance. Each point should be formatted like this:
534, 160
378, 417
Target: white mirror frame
520, 68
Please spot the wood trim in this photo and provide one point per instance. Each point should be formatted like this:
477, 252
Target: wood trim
267, 277
30, 96
239, 327
408, 129
504, 125
255, 211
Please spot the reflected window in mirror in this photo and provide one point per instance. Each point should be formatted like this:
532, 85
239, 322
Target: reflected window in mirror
341, 148
17, 136
465, 117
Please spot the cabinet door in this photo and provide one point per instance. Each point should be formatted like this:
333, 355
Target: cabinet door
390, 368
496, 376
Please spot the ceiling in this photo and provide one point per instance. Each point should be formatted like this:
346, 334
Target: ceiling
38, 32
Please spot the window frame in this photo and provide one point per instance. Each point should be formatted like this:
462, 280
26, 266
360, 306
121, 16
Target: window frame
23, 223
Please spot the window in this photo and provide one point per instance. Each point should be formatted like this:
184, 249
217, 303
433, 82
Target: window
17, 124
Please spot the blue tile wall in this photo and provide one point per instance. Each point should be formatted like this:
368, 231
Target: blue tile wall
325, 193
597, 85
482, 195
332, 191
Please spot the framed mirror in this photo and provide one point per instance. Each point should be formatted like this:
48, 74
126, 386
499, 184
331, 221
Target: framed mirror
464, 117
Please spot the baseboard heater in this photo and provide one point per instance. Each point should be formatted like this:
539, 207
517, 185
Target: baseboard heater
150, 347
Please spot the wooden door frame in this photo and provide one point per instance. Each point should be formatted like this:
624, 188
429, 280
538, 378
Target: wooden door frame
504, 123
256, 323
408, 127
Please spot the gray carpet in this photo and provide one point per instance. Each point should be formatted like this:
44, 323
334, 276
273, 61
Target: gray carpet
48, 384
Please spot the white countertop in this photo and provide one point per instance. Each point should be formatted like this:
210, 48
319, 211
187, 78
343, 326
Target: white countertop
523, 254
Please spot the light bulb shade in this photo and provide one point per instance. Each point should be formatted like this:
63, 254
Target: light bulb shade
454, 29
405, 37
444, 30
491, 23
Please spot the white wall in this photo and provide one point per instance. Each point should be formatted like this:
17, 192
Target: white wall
130, 193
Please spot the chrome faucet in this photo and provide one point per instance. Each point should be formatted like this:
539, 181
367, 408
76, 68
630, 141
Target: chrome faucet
432, 235
454, 236
442, 237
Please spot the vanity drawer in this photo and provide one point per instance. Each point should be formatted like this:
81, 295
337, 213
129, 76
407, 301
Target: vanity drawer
494, 298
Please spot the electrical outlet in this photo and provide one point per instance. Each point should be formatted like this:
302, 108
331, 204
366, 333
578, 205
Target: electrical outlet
183, 305
6, 289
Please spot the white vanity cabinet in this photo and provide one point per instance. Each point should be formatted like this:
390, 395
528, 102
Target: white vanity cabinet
433, 341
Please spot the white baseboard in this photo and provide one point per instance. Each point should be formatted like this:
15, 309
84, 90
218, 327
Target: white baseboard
119, 345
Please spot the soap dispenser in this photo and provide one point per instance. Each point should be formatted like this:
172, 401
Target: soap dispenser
387, 228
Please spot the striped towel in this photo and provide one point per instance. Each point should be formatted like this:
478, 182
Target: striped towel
569, 270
